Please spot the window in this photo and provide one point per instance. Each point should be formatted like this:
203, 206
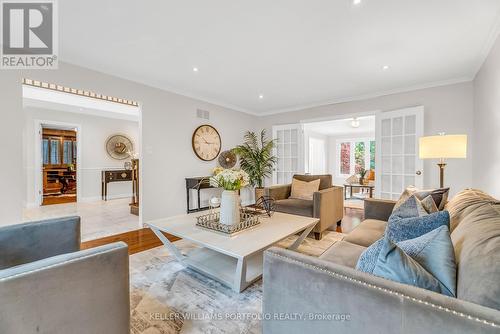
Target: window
345, 158
54, 152
354, 154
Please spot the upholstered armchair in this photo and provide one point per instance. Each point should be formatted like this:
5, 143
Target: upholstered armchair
47, 285
327, 203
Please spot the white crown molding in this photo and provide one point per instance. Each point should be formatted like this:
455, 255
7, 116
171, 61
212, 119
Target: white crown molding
488, 45
370, 96
295, 108
173, 90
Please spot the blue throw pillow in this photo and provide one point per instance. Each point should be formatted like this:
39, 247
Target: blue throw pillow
434, 252
400, 229
394, 264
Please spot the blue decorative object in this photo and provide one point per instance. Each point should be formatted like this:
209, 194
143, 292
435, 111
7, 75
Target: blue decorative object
394, 264
400, 229
434, 252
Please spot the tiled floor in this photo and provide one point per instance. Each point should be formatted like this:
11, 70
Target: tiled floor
99, 219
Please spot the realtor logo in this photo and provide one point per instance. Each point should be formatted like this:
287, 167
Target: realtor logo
29, 34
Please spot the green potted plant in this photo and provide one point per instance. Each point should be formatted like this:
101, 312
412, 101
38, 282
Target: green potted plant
257, 159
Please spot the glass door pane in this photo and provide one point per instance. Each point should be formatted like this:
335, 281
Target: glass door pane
397, 134
288, 151
54, 152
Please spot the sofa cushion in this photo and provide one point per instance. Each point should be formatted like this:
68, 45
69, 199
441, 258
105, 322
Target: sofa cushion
304, 189
367, 232
396, 265
300, 207
476, 239
343, 253
464, 203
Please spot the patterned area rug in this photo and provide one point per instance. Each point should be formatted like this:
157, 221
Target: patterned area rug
167, 298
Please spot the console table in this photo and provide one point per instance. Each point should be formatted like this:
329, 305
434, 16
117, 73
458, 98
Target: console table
360, 186
113, 175
202, 182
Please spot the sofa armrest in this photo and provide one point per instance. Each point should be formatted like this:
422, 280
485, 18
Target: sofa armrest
304, 294
32, 241
81, 292
380, 209
281, 191
328, 206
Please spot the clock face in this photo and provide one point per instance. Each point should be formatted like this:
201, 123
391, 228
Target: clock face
206, 142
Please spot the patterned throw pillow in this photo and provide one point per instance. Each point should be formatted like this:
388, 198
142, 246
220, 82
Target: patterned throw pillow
440, 196
303, 189
400, 229
433, 252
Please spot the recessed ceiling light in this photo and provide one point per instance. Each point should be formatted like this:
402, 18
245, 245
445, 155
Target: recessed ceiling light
261, 97
385, 67
356, 2
195, 69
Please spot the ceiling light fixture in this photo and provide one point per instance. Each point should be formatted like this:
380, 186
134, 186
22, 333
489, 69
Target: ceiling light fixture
356, 2
195, 69
385, 67
261, 97
355, 122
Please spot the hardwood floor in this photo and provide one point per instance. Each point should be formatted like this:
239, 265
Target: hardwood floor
144, 239
51, 200
137, 241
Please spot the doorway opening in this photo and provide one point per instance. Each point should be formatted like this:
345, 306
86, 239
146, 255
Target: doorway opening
82, 152
59, 161
344, 148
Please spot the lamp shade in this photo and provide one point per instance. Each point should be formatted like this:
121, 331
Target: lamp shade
447, 146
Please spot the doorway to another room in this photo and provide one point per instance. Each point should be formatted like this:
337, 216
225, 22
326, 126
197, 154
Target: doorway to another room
59, 160
82, 159
344, 148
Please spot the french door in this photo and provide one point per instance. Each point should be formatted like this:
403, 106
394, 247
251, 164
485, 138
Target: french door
289, 150
398, 165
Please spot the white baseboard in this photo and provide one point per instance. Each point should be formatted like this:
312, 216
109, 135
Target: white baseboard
98, 198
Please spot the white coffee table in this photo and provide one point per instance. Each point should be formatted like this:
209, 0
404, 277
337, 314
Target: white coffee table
234, 261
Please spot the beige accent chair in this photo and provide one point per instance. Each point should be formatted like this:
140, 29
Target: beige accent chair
327, 203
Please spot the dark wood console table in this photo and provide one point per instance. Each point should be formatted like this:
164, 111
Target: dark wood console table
113, 175
197, 183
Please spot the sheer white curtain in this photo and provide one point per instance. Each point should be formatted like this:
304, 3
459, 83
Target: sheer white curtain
317, 156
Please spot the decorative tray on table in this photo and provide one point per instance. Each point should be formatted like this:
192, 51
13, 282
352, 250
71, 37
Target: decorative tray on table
211, 221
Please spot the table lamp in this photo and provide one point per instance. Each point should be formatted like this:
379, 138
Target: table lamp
443, 147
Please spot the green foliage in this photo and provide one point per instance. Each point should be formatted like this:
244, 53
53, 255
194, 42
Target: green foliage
256, 157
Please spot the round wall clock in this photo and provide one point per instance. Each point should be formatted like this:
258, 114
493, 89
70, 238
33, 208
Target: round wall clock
206, 142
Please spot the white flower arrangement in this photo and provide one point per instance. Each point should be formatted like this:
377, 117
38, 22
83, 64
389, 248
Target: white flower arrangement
229, 179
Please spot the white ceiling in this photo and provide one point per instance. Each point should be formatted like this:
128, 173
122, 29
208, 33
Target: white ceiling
295, 53
342, 127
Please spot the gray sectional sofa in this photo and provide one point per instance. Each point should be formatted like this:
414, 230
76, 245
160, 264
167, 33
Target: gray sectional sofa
304, 294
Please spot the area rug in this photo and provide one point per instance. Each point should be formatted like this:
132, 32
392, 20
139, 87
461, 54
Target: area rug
167, 298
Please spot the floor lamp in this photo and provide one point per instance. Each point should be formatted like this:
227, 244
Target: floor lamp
443, 147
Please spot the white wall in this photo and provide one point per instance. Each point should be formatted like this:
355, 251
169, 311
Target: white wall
311, 134
94, 133
167, 125
447, 109
486, 144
